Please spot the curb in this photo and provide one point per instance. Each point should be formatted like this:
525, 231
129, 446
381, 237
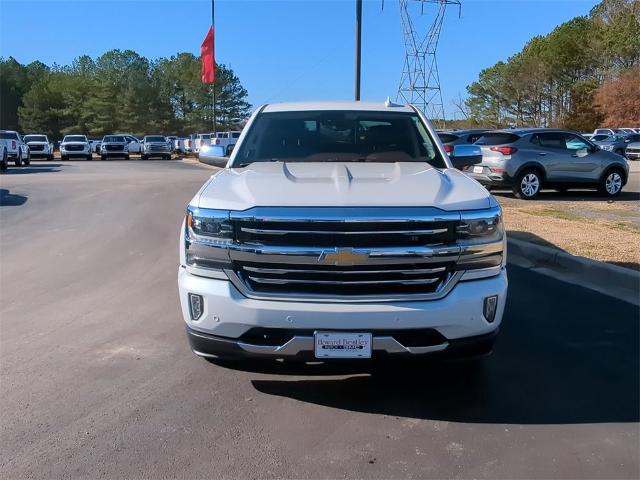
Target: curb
612, 280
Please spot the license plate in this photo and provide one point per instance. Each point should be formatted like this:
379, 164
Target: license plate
478, 169
342, 345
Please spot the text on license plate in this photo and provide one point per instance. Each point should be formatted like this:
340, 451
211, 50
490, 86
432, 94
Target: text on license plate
342, 345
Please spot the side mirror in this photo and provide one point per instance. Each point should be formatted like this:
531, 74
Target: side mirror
465, 156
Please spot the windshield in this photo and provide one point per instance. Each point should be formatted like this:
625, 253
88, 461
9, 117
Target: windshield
35, 138
8, 135
113, 139
155, 139
600, 138
75, 138
338, 136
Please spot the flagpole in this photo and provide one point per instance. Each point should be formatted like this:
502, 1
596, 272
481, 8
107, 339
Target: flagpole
213, 42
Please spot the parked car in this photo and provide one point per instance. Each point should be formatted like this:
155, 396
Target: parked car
172, 141
134, 145
95, 145
114, 146
178, 145
607, 131
341, 230
39, 146
17, 150
450, 138
156, 146
75, 146
529, 159
632, 151
201, 140
628, 131
611, 143
227, 140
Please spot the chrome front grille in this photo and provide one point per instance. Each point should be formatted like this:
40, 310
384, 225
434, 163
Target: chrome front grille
344, 253
343, 281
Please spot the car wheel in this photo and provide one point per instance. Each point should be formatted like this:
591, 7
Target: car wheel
4, 164
103, 157
50, 157
527, 185
127, 157
89, 157
27, 161
18, 161
143, 157
611, 183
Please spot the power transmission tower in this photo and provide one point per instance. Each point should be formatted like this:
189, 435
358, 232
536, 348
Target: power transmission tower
420, 82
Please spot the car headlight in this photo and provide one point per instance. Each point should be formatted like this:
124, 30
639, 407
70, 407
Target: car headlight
208, 234
481, 236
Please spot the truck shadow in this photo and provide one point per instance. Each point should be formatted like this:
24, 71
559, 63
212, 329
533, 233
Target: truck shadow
8, 199
34, 168
565, 355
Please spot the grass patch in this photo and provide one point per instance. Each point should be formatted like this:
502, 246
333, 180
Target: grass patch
556, 213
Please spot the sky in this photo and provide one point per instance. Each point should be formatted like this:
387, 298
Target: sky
284, 50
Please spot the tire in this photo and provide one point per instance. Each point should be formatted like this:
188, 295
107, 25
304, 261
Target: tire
611, 183
27, 161
127, 157
528, 184
103, 157
50, 157
4, 164
144, 157
89, 157
18, 161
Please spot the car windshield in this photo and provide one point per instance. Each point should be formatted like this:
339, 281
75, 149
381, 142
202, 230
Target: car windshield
113, 139
35, 138
75, 138
155, 139
601, 138
338, 136
8, 135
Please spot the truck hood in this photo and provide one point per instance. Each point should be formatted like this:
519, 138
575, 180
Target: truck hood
341, 184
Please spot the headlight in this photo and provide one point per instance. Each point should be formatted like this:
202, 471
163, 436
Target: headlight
208, 233
481, 236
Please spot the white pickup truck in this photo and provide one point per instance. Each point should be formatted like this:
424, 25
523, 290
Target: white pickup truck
342, 230
16, 149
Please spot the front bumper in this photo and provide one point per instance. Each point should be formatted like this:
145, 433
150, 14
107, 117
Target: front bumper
228, 317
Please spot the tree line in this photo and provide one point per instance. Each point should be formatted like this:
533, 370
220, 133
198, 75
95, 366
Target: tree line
583, 74
120, 91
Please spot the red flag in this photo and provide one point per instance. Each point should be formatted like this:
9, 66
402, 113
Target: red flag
207, 52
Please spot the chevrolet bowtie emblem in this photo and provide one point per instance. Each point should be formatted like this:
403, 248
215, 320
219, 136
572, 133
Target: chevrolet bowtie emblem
342, 256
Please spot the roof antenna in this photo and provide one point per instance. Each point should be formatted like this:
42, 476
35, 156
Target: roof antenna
389, 103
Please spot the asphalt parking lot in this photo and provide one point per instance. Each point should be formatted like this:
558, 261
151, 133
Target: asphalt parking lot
97, 379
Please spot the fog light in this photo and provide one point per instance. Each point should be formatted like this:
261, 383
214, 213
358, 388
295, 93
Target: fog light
490, 308
195, 306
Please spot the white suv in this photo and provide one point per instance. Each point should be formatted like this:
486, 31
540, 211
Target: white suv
75, 146
342, 230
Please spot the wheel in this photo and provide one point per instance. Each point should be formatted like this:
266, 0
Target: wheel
527, 184
18, 161
50, 157
103, 157
611, 183
126, 157
167, 157
89, 157
27, 161
143, 157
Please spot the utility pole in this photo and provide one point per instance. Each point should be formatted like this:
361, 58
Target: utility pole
213, 41
358, 46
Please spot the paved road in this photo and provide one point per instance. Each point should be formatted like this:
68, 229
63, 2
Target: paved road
97, 379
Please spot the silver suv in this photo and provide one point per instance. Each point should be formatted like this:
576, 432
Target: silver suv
529, 159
